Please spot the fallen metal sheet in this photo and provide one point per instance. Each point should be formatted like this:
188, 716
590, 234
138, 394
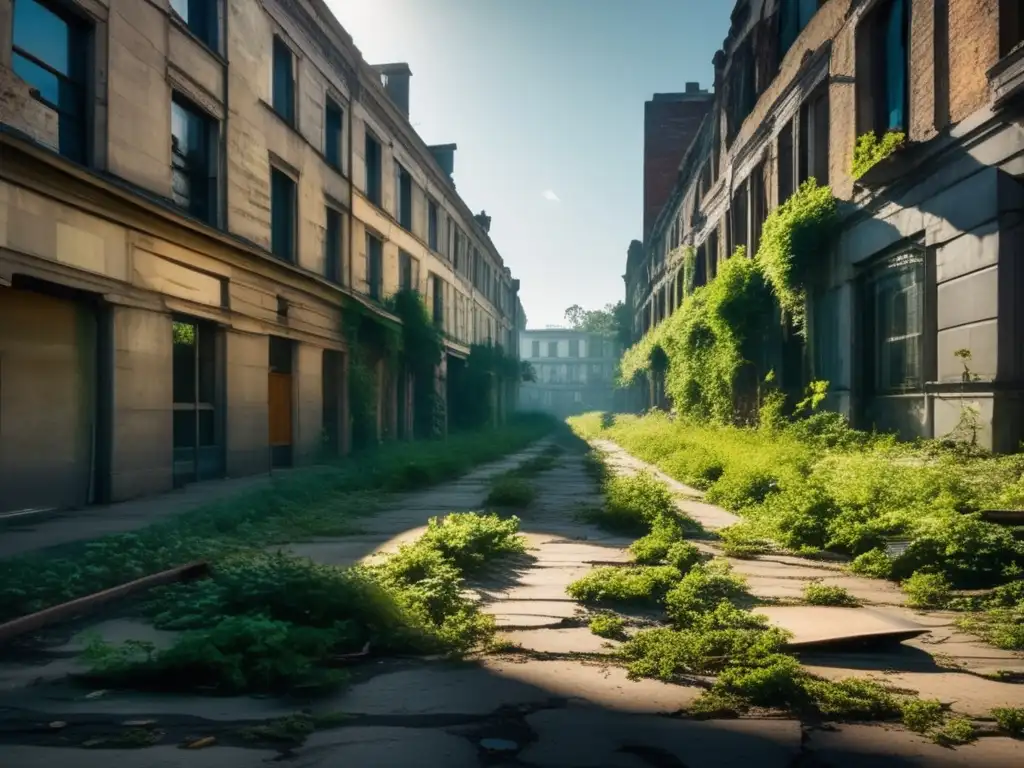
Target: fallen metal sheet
816, 626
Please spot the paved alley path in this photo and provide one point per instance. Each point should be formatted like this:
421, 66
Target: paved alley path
551, 700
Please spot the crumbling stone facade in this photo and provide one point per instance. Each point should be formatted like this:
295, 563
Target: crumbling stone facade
926, 261
196, 201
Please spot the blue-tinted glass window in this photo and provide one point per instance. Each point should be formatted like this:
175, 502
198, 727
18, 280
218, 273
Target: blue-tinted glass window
49, 53
200, 16
284, 81
282, 215
193, 169
333, 134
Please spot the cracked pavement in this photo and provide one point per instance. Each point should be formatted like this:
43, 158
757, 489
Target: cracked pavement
552, 697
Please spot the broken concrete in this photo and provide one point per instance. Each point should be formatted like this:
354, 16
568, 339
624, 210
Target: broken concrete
816, 626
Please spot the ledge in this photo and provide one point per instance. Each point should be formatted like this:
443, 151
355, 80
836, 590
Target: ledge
1006, 78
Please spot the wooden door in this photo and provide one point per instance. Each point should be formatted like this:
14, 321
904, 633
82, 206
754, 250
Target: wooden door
280, 407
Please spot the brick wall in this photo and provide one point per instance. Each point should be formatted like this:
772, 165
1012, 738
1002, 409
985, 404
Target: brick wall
670, 123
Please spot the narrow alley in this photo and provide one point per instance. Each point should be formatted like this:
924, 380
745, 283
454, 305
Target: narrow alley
548, 693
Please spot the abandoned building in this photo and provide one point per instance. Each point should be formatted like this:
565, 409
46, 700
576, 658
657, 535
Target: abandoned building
574, 371
199, 200
926, 257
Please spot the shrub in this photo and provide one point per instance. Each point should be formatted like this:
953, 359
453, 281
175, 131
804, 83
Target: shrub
1002, 627
927, 590
637, 502
871, 150
683, 556
874, 562
508, 491
826, 594
611, 584
700, 591
1010, 720
955, 731
608, 625
922, 715
468, 539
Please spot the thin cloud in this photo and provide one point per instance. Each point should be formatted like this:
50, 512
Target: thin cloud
549, 194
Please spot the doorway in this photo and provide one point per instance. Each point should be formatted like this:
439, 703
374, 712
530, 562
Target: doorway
279, 403
198, 413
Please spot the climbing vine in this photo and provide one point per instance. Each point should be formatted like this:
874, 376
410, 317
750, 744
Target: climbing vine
474, 384
793, 242
420, 353
704, 345
871, 150
689, 270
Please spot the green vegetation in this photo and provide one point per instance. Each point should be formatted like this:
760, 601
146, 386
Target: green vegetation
825, 594
1010, 720
510, 492
316, 501
608, 625
476, 386
871, 150
707, 628
275, 622
818, 485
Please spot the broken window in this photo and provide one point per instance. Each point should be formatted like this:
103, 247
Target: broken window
882, 68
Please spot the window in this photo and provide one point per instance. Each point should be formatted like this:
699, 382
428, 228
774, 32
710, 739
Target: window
739, 217
438, 290
793, 17
785, 162
896, 297
574, 347
552, 349
196, 429
193, 160
333, 245
408, 272
50, 54
758, 207
283, 91
333, 122
283, 215
200, 16
432, 225
713, 253
535, 349
814, 135
373, 169
374, 267
882, 67
742, 89
403, 197
1011, 25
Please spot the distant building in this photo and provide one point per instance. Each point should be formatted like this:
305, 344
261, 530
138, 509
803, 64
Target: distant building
575, 371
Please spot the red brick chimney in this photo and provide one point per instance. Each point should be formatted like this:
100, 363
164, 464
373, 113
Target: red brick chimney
671, 121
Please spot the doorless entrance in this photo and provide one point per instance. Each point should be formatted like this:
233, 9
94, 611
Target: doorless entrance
198, 422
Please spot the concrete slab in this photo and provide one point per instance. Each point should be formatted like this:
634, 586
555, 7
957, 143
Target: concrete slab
601, 685
532, 613
385, 748
816, 626
854, 746
17, 756
571, 640
658, 741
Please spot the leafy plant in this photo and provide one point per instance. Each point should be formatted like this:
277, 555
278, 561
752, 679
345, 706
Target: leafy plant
825, 594
871, 150
510, 492
608, 625
927, 590
610, 584
1010, 720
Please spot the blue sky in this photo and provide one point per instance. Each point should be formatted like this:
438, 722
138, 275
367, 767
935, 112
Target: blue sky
545, 99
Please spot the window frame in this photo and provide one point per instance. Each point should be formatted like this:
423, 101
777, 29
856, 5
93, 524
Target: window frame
79, 79
293, 207
872, 69
332, 106
374, 191
437, 300
334, 262
408, 272
432, 223
914, 259
374, 267
209, 10
211, 178
277, 102
403, 197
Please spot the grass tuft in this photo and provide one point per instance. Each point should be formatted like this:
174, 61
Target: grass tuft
609, 626
825, 594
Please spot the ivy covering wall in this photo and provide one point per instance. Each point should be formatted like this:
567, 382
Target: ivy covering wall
706, 351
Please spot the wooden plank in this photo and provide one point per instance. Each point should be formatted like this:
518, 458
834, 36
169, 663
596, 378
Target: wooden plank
36, 621
280, 409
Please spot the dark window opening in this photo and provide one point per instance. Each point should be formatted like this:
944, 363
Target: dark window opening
534, 349
882, 68
758, 208
333, 133
785, 162
814, 138
193, 160
284, 81
200, 16
197, 433
408, 279
403, 197
438, 291
552, 349
373, 170
574, 347
738, 215
283, 215
713, 254
432, 225
333, 245
50, 53
1011, 25
742, 89
895, 294
282, 308
374, 267
794, 15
